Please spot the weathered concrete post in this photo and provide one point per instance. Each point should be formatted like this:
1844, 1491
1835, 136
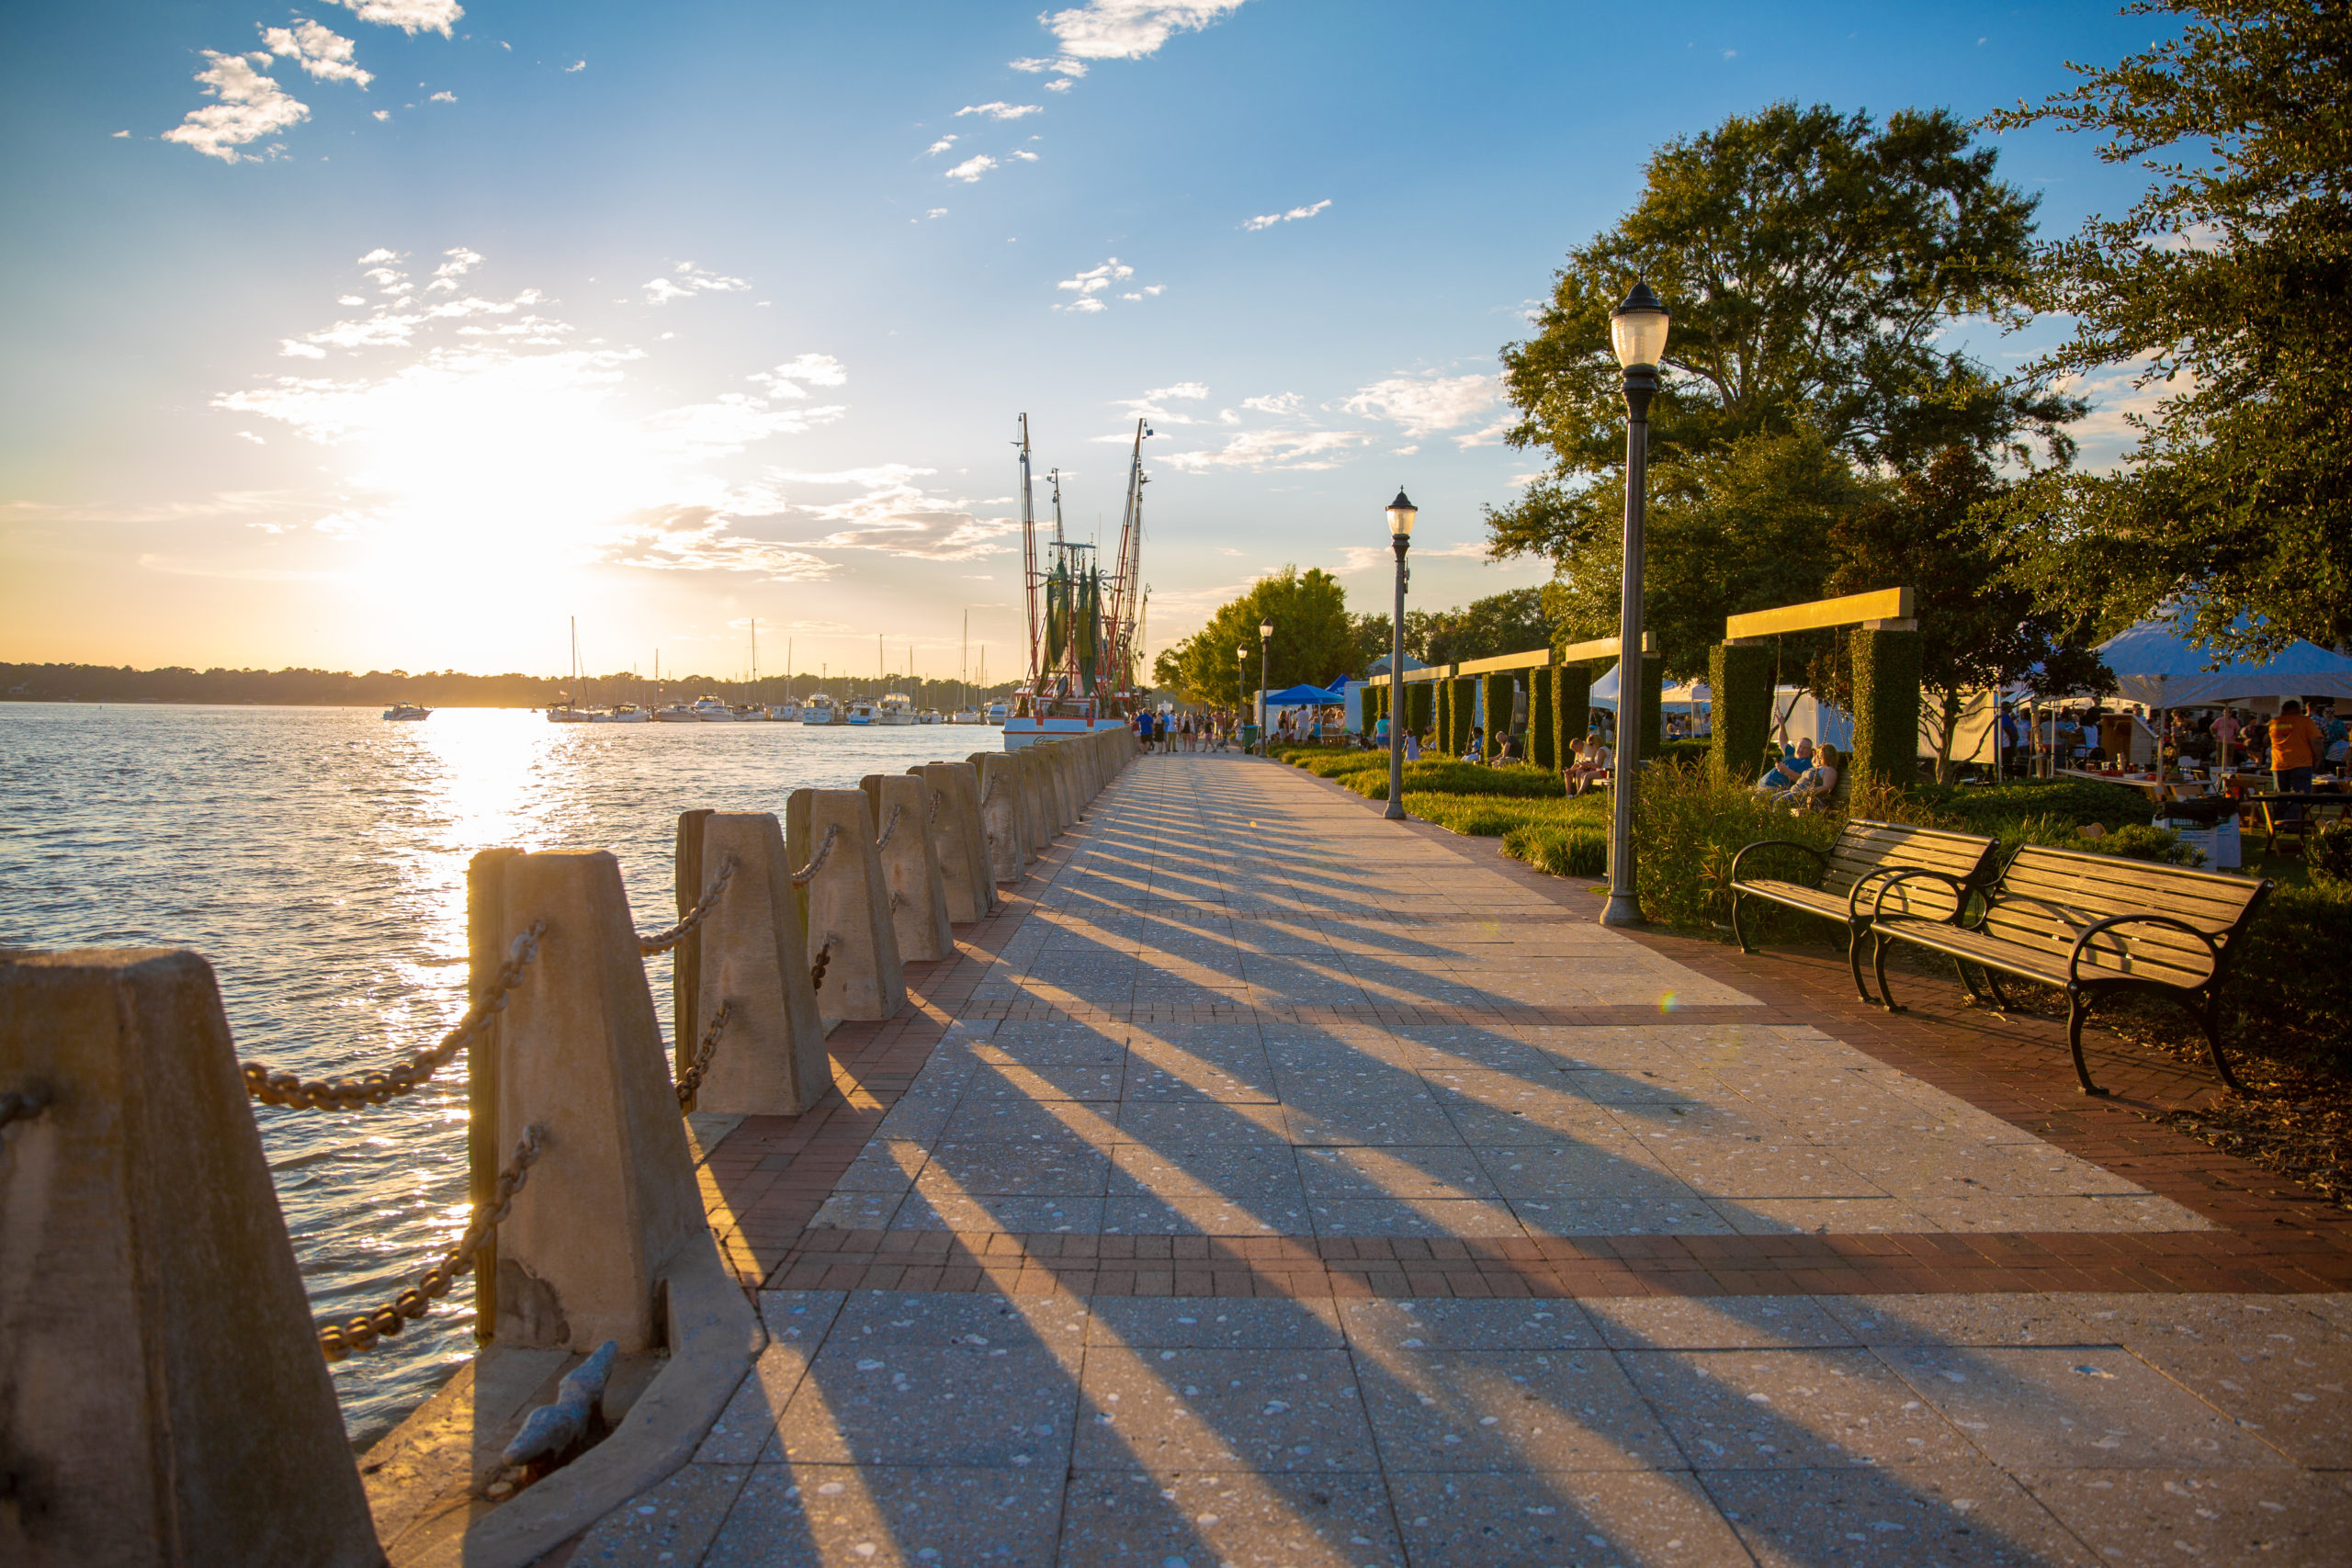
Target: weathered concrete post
918, 893
162, 1400
961, 842
846, 904
1037, 794
612, 1203
753, 958
1066, 796
1003, 823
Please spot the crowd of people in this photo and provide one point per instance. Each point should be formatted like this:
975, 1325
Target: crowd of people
1165, 733
2293, 744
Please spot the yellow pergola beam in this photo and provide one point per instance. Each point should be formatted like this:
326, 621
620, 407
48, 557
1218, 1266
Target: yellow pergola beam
1884, 604
1603, 647
1533, 658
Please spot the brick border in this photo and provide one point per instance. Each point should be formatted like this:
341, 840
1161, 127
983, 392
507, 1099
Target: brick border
766, 1179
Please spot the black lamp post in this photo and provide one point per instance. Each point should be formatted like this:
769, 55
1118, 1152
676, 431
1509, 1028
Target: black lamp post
1241, 683
1637, 332
1401, 514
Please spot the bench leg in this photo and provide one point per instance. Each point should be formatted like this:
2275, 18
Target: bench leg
1736, 935
1877, 966
2206, 1020
1854, 934
2078, 1009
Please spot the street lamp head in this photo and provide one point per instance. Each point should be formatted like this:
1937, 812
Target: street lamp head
1637, 328
1265, 628
1401, 513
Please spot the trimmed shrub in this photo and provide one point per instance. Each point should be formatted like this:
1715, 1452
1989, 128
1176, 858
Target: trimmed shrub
1543, 721
1450, 777
1740, 676
1887, 707
1985, 808
1501, 696
1559, 851
1462, 711
1571, 708
2327, 857
1421, 704
2144, 840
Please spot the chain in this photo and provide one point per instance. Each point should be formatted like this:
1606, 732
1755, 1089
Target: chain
404, 1075
817, 970
808, 873
662, 942
891, 826
691, 1079
337, 1340
24, 1104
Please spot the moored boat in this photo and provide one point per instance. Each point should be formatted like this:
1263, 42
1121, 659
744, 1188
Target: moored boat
404, 713
820, 710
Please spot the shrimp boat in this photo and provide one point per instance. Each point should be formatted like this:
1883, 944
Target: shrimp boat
1083, 621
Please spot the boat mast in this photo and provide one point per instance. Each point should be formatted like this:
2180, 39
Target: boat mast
1029, 567
1127, 589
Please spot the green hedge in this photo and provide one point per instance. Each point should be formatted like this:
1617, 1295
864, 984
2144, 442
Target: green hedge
1572, 707
1740, 677
1887, 707
1420, 702
2289, 989
1501, 696
1543, 721
1443, 774
1559, 850
1988, 808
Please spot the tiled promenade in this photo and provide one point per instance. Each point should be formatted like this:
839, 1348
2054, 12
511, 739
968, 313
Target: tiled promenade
1270, 1184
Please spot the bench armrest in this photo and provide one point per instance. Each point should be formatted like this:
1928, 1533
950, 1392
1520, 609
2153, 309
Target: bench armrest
1959, 890
1820, 859
2074, 959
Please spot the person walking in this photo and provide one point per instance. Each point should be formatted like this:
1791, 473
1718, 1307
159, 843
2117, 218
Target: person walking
2295, 746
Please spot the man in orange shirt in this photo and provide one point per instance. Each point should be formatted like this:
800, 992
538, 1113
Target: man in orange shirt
2294, 749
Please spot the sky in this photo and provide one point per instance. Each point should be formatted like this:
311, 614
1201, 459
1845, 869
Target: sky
404, 334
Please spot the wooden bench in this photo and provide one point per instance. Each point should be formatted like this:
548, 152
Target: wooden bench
1866, 854
2091, 925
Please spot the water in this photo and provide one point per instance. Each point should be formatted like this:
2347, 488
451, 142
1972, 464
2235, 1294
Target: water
316, 857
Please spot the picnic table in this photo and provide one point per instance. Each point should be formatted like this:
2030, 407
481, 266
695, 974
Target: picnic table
2275, 820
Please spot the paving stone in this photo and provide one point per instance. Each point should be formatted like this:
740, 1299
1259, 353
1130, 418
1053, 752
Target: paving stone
1715, 1322
1973, 1319
912, 1516
1397, 1172
673, 1521
1547, 1520
1963, 1513
936, 1320
1217, 1323
2074, 1409
1601, 1216
1383, 1326
1509, 1410
2136, 1517
1046, 1081
1538, 1107
1244, 1172
1038, 1169
1020, 1215
857, 1212
886, 1165
993, 1406
1790, 1409
1229, 1517
1609, 1165
1170, 1125
1210, 1409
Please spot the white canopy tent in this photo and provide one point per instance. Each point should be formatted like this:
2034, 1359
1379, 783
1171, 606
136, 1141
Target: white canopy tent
2158, 667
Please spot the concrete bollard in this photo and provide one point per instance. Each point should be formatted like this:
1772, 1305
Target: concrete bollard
1064, 758
612, 1203
162, 1400
1036, 795
846, 903
1004, 823
752, 956
917, 892
1056, 784
961, 842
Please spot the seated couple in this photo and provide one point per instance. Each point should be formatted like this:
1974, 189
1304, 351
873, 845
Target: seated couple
1802, 775
1588, 765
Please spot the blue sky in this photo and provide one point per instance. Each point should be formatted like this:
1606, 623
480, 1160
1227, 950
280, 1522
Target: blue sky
673, 316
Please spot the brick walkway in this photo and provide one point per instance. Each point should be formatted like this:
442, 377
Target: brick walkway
1271, 1183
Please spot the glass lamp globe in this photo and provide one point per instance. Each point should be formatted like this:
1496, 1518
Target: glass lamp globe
1401, 513
1637, 328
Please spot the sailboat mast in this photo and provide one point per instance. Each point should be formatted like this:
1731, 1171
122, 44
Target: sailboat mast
1029, 565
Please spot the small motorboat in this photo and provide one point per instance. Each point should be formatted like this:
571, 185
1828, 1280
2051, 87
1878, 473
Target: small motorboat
710, 710
965, 716
627, 713
820, 710
404, 713
784, 712
897, 708
676, 713
862, 712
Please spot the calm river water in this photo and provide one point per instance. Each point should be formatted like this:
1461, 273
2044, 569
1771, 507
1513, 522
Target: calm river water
316, 857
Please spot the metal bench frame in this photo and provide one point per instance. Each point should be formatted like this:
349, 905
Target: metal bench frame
1857, 923
2200, 1000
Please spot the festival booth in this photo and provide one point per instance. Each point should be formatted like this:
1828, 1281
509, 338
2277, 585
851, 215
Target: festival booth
2159, 667
1312, 698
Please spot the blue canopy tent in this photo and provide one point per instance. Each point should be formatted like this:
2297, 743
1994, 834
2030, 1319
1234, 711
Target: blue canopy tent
1304, 696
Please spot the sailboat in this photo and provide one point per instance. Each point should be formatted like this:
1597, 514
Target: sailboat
563, 712
965, 713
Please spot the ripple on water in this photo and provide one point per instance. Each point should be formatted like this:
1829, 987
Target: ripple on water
316, 857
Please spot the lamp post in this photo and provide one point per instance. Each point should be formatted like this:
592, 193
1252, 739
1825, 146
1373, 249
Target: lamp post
1240, 683
1637, 332
1265, 678
1401, 513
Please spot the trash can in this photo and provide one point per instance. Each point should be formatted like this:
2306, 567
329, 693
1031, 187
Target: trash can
1250, 737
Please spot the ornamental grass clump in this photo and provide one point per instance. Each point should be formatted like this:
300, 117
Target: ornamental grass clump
1559, 848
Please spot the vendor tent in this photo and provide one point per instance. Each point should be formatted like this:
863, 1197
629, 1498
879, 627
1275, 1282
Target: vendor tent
1301, 697
2155, 665
1689, 696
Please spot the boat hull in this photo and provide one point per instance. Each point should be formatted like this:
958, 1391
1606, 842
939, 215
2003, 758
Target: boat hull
1021, 732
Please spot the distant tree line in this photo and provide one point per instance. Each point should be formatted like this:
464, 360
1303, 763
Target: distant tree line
444, 688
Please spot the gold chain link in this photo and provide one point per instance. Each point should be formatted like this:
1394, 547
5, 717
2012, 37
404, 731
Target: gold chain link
663, 941
691, 1079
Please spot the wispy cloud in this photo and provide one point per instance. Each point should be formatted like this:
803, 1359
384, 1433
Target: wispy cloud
319, 50
1258, 451
1065, 68
1362, 558
971, 169
794, 376
1425, 404
1153, 404
250, 105
1285, 404
1293, 216
1092, 285
409, 16
999, 110
941, 145
575, 65
1130, 30
685, 280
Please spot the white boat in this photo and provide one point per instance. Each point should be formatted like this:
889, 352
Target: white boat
567, 714
931, 715
861, 712
784, 712
710, 710
405, 713
897, 708
819, 709
965, 716
627, 713
676, 713
996, 713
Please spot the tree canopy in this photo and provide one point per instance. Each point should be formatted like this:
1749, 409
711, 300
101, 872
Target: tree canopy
1813, 259
2230, 282
1312, 640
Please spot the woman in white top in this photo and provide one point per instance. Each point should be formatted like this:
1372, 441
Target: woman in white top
1592, 763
